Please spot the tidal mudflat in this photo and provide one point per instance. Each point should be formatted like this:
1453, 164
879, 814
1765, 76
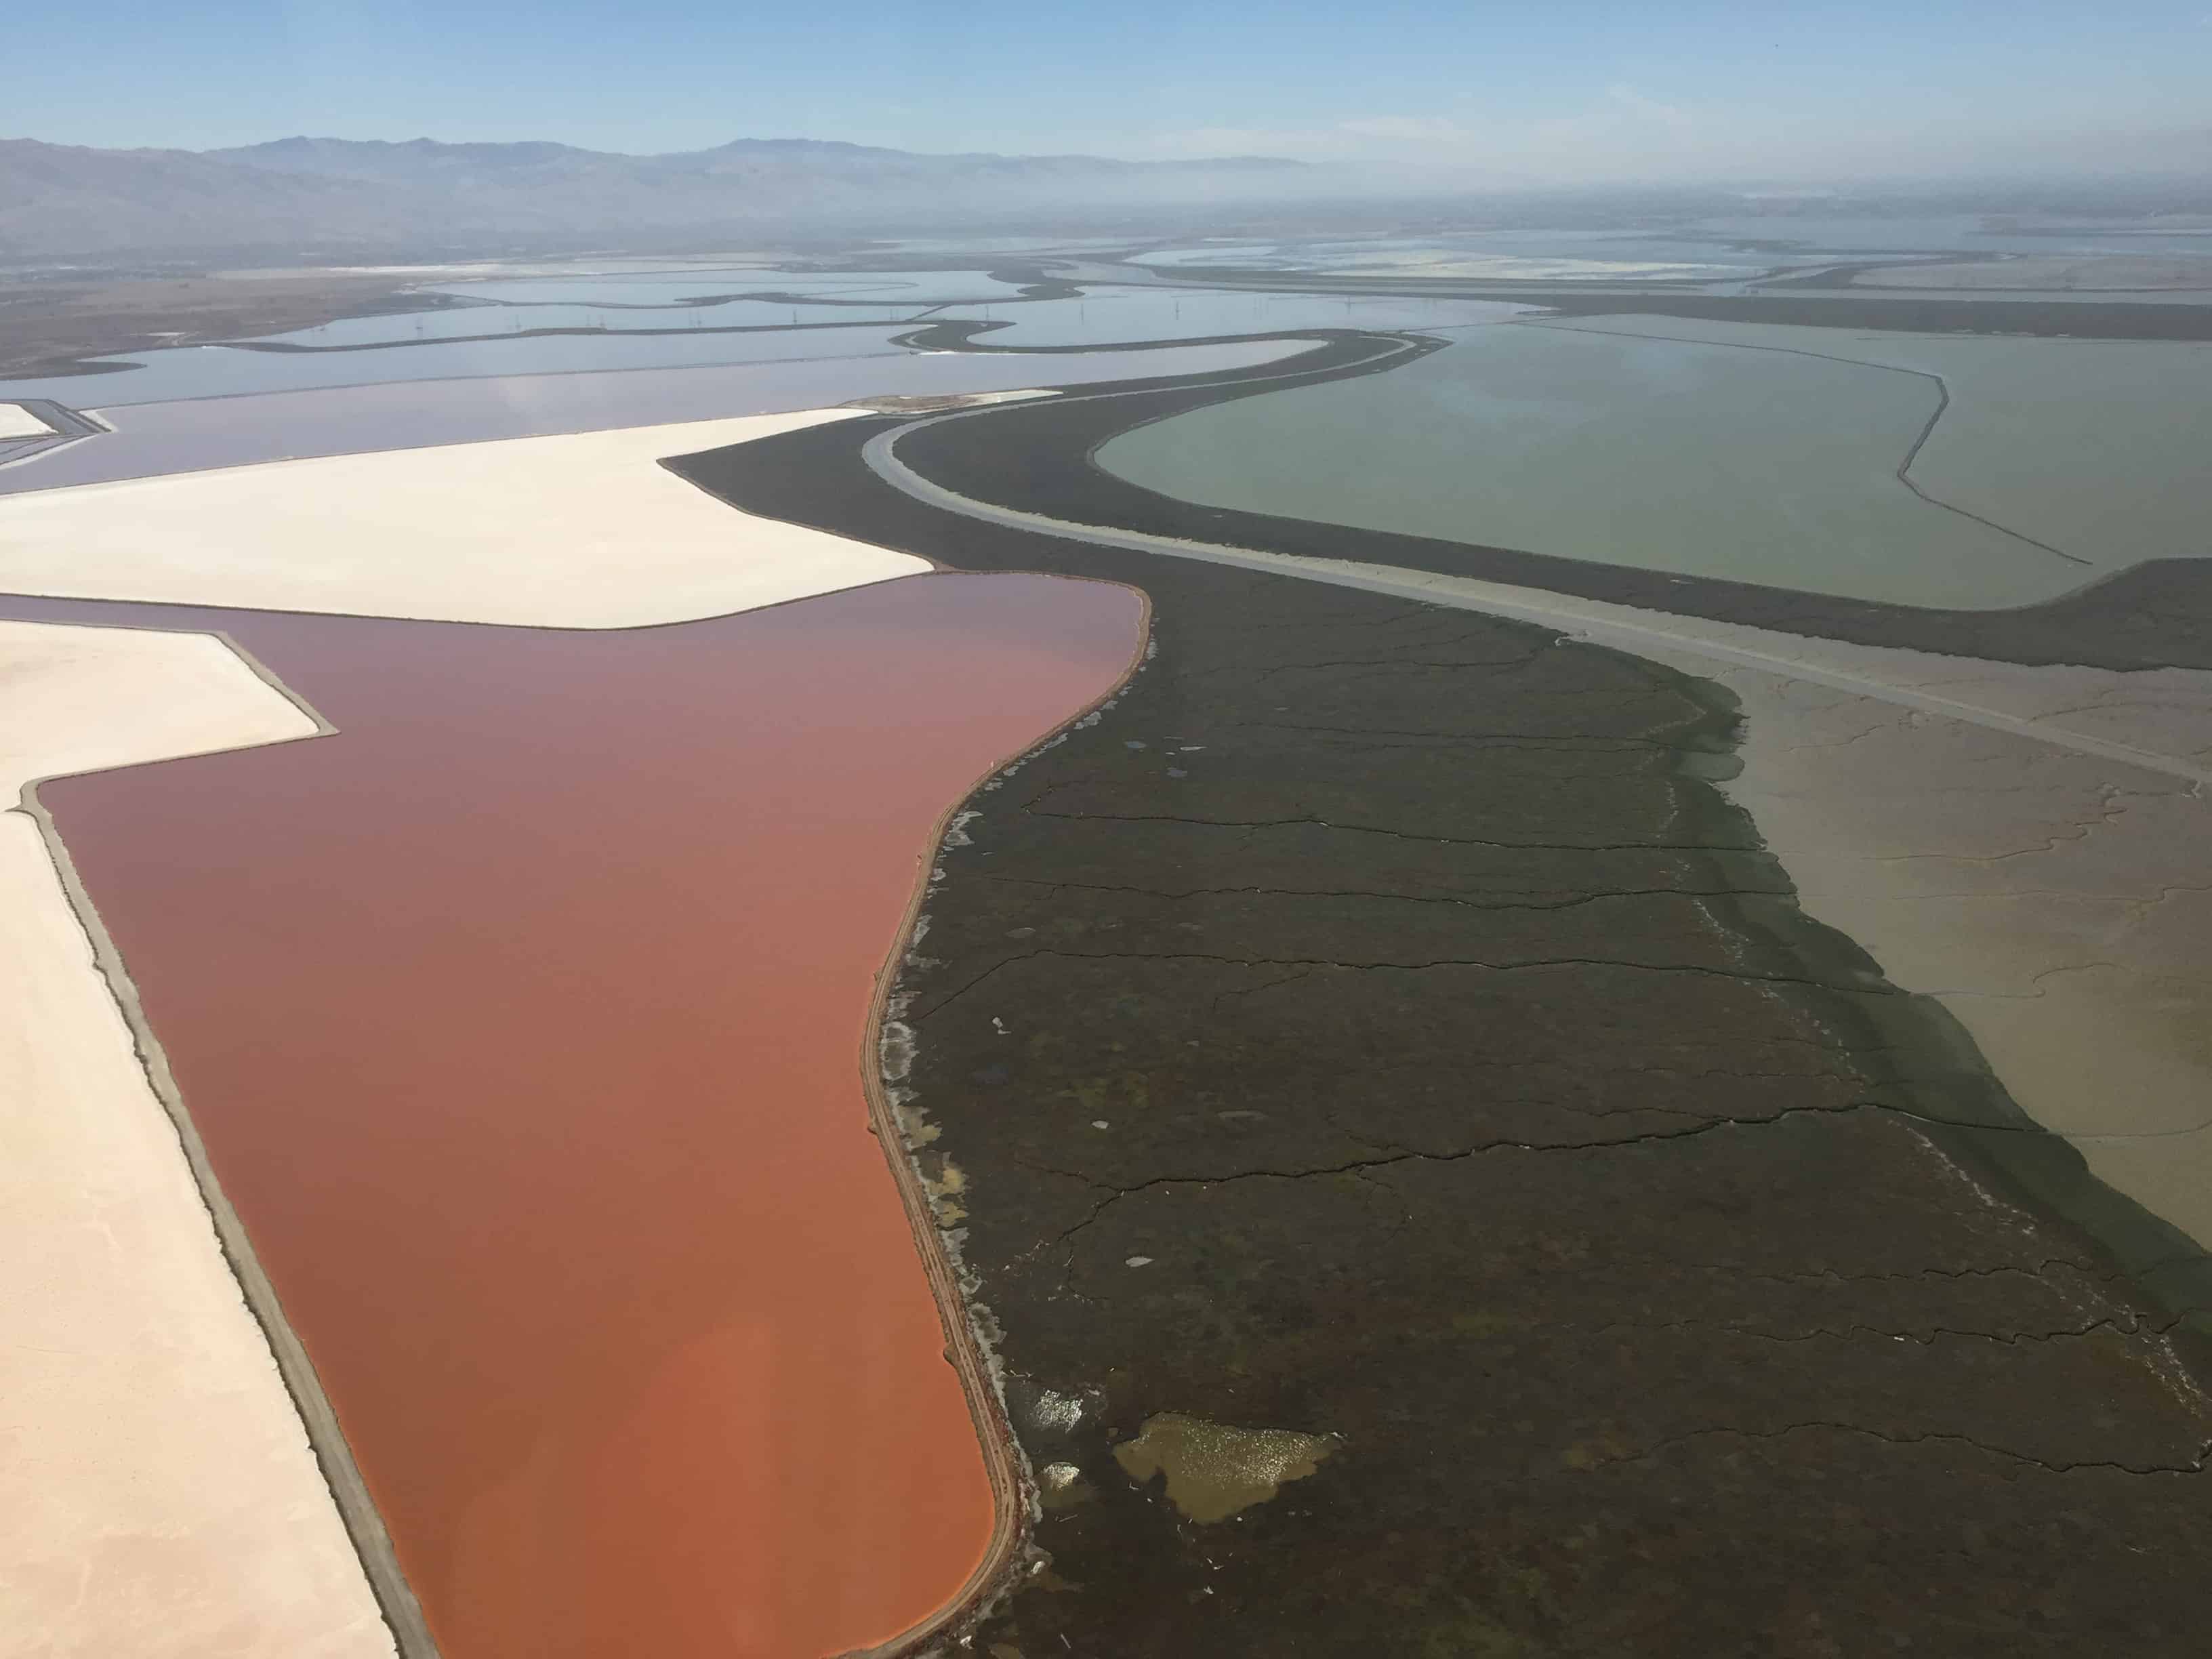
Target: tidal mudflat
545, 1115
1765, 1305
2026, 845
1682, 458
2054, 899
2019, 839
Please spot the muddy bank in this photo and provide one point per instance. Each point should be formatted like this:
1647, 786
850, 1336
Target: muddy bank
2059, 904
1378, 1031
520, 1017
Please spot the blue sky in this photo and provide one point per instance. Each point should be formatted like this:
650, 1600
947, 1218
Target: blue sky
1579, 88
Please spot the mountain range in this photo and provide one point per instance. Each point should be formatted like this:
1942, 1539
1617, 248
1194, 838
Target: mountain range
304, 195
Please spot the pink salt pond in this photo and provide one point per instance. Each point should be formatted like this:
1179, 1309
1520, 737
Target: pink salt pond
523, 1019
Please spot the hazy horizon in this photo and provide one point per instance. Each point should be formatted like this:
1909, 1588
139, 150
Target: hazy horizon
1590, 92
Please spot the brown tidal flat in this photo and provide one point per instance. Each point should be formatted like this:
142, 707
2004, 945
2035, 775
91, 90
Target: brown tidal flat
522, 1020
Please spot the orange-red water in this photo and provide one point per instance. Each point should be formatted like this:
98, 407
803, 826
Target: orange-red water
522, 1018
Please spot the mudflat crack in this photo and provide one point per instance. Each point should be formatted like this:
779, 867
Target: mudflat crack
1367, 893
1830, 1276
1366, 665
1483, 739
2130, 1326
1220, 997
1308, 822
1413, 610
1114, 1193
2192, 1466
1699, 968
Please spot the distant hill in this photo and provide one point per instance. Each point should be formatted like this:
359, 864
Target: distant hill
62, 199
299, 195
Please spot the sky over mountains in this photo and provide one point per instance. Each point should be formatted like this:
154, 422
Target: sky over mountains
1576, 91
307, 199
303, 194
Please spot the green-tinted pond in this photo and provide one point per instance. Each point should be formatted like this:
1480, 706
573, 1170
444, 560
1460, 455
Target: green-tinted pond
2096, 447
1704, 459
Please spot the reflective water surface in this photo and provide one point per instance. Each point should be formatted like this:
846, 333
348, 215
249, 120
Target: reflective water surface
1770, 466
220, 370
188, 434
523, 1020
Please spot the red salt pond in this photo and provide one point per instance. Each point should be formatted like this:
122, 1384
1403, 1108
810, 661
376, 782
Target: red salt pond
522, 1020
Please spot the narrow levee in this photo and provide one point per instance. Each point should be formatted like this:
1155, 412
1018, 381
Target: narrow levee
522, 1018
